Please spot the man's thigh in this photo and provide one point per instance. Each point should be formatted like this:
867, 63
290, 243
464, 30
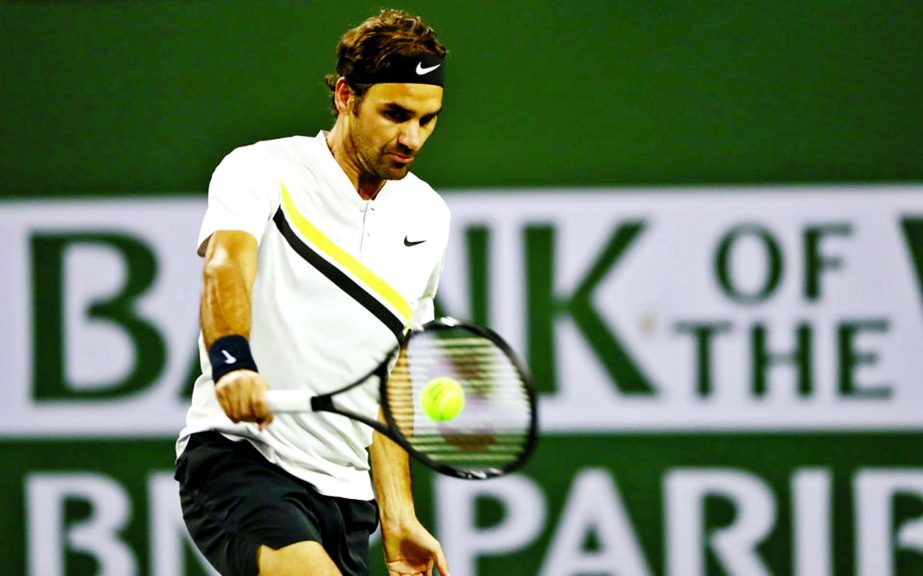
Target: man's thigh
292, 560
234, 502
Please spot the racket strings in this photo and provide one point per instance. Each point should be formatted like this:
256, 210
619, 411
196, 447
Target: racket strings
492, 430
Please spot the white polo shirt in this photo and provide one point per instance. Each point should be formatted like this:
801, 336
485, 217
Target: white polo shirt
339, 280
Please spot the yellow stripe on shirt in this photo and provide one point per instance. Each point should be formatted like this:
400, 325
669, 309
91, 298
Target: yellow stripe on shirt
345, 259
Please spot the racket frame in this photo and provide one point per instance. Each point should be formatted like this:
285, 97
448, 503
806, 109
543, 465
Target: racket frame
324, 402
395, 434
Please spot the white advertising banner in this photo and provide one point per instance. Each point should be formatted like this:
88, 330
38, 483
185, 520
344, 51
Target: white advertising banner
741, 308
679, 309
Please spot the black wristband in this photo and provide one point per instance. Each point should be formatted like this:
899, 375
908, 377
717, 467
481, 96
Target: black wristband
230, 353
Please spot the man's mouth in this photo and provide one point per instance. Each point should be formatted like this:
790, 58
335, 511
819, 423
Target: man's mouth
401, 157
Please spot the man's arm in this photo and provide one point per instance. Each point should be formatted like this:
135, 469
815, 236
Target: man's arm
227, 283
409, 547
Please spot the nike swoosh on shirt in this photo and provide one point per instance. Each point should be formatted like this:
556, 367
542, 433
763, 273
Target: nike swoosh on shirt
228, 359
408, 242
421, 70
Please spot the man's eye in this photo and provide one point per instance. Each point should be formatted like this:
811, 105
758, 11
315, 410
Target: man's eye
396, 115
426, 120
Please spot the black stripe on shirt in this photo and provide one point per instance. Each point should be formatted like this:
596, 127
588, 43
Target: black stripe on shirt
335, 275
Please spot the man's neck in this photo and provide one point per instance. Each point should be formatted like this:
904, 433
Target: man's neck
344, 153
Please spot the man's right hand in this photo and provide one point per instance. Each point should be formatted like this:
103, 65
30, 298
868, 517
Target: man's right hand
242, 395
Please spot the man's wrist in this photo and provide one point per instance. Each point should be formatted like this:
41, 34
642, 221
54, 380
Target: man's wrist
396, 520
230, 353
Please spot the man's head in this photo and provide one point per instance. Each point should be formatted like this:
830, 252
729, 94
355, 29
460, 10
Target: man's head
388, 42
387, 91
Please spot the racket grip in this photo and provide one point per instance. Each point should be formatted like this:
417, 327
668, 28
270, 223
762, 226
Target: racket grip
288, 400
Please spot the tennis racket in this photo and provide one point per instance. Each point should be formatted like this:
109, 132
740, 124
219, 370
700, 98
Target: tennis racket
495, 431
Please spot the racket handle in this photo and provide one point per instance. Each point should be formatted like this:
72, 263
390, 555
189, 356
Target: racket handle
289, 400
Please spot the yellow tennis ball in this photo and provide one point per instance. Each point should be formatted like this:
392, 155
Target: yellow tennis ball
442, 398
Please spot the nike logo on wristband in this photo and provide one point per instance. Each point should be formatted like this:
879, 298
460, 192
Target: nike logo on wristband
408, 242
228, 359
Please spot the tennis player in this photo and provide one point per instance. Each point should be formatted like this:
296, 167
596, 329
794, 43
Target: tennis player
320, 252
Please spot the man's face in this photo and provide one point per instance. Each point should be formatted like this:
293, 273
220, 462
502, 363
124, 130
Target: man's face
389, 126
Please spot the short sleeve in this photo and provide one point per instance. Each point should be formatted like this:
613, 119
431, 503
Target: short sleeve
240, 196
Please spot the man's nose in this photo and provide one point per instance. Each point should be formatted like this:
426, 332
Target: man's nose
410, 135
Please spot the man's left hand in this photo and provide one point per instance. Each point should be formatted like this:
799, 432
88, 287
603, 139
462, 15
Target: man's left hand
410, 550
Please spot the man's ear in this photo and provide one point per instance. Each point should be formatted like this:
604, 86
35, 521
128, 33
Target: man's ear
343, 95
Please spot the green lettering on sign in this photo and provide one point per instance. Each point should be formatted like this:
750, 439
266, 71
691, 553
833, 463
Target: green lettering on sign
764, 359
913, 237
544, 307
723, 264
49, 282
703, 334
477, 244
815, 261
851, 359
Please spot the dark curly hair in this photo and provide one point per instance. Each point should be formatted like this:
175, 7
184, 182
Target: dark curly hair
367, 48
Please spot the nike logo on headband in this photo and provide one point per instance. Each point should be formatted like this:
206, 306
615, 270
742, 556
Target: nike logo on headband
422, 71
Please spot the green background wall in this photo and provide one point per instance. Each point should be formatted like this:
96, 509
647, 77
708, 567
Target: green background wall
111, 97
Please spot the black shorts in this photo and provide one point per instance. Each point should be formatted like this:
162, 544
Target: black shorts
234, 500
